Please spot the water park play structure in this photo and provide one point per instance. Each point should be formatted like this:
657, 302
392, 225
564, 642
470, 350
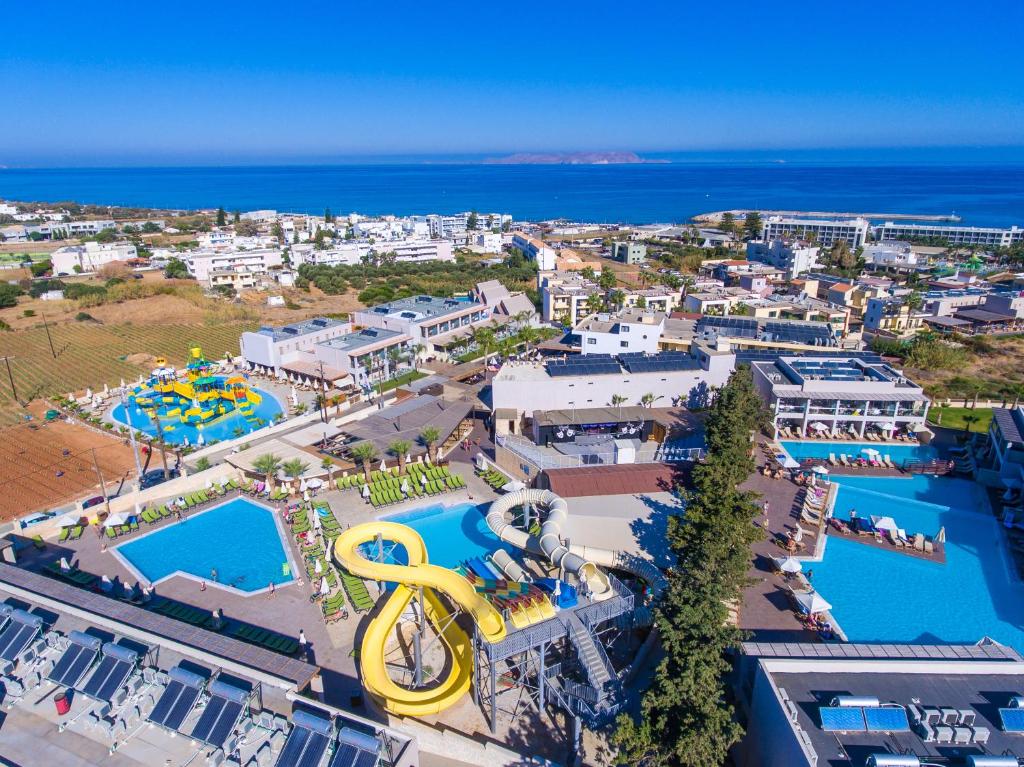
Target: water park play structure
198, 399
530, 636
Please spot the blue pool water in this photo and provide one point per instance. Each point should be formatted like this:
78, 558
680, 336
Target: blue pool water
239, 539
176, 432
801, 451
452, 534
881, 595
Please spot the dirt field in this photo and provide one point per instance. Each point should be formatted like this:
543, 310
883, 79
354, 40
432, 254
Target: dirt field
37, 473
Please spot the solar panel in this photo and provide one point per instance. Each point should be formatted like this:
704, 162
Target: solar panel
585, 365
355, 749
111, 673
307, 741
178, 699
886, 719
842, 718
221, 714
21, 629
71, 666
1013, 719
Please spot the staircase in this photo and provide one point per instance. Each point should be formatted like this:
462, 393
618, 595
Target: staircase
595, 663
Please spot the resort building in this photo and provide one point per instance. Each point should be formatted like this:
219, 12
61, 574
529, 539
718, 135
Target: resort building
428, 321
565, 297
502, 303
520, 388
535, 250
89, 256
629, 252
752, 333
1006, 437
201, 264
449, 227
631, 330
890, 254
276, 350
847, 705
720, 301
892, 317
994, 237
368, 355
839, 394
793, 256
824, 232
655, 299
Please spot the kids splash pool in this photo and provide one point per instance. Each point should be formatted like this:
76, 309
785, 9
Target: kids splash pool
880, 595
240, 539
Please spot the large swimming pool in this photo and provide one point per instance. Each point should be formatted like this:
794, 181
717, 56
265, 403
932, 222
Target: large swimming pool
239, 539
175, 432
899, 453
880, 595
452, 534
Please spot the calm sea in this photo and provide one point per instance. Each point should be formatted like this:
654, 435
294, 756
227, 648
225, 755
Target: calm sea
982, 195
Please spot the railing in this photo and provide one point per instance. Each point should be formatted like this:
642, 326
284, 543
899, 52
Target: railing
542, 459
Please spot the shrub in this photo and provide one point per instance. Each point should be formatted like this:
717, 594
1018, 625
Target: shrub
29, 313
9, 295
84, 317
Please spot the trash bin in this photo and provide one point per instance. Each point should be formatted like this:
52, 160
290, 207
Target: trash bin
62, 702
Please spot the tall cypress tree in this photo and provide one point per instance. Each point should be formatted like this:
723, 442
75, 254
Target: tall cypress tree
685, 717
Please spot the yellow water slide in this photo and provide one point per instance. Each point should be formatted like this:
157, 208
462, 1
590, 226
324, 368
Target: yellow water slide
397, 699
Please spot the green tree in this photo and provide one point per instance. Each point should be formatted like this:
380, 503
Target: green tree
176, 270
222, 217
365, 453
649, 399
685, 717
588, 273
319, 240
203, 464
267, 465
328, 465
9, 295
915, 301
841, 257
429, 437
400, 449
607, 279
594, 302
237, 216
484, 338
752, 225
617, 401
472, 221
294, 468
728, 223
328, 216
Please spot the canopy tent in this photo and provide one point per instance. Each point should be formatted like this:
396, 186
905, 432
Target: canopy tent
812, 602
790, 565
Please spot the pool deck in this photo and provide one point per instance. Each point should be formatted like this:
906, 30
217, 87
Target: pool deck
938, 556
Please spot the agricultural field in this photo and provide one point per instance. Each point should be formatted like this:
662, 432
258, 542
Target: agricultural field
89, 355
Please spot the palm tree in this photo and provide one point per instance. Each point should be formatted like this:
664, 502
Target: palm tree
294, 468
267, 465
483, 337
328, 464
429, 437
594, 303
528, 336
649, 399
366, 454
617, 401
400, 448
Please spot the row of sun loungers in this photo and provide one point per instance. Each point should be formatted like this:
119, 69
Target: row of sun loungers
843, 434
385, 496
495, 479
855, 461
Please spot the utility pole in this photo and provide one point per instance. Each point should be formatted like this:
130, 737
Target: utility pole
46, 327
103, 485
14, 392
323, 394
131, 436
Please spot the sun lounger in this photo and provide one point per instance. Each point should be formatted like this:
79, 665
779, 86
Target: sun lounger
888, 461
919, 542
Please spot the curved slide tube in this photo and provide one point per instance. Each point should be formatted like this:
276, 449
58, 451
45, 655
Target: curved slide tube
397, 699
582, 560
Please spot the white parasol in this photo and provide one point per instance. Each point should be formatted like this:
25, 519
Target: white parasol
314, 483
318, 568
405, 487
116, 520
71, 519
819, 426
366, 491
511, 487
325, 587
885, 523
813, 602
383, 466
790, 565
820, 470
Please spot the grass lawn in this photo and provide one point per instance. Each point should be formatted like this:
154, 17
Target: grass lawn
402, 380
955, 417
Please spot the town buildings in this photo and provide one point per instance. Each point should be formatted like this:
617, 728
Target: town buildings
953, 235
290, 347
853, 231
428, 321
89, 256
793, 256
629, 252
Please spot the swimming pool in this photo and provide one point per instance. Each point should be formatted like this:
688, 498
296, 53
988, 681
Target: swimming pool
452, 534
239, 539
880, 595
175, 432
801, 451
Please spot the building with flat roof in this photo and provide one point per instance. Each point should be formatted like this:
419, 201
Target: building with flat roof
565, 297
520, 388
433, 322
839, 394
793, 256
890, 254
629, 252
535, 250
272, 349
632, 330
892, 317
1006, 437
990, 236
364, 354
812, 705
751, 333
825, 232
89, 256
201, 263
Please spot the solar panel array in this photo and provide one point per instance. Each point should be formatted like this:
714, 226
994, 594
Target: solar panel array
178, 699
20, 630
1013, 719
770, 355
81, 651
799, 333
112, 672
585, 365
886, 719
307, 742
355, 749
836, 370
842, 719
657, 363
221, 715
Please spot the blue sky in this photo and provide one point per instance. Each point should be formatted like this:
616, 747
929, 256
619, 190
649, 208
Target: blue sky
89, 83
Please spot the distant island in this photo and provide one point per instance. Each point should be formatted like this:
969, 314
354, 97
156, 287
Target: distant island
570, 158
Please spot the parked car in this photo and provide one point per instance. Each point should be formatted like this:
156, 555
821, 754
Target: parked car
154, 477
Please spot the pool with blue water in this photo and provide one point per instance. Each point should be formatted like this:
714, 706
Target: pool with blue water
881, 595
452, 534
802, 451
239, 539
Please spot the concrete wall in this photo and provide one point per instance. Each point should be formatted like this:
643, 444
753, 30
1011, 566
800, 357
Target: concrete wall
770, 740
